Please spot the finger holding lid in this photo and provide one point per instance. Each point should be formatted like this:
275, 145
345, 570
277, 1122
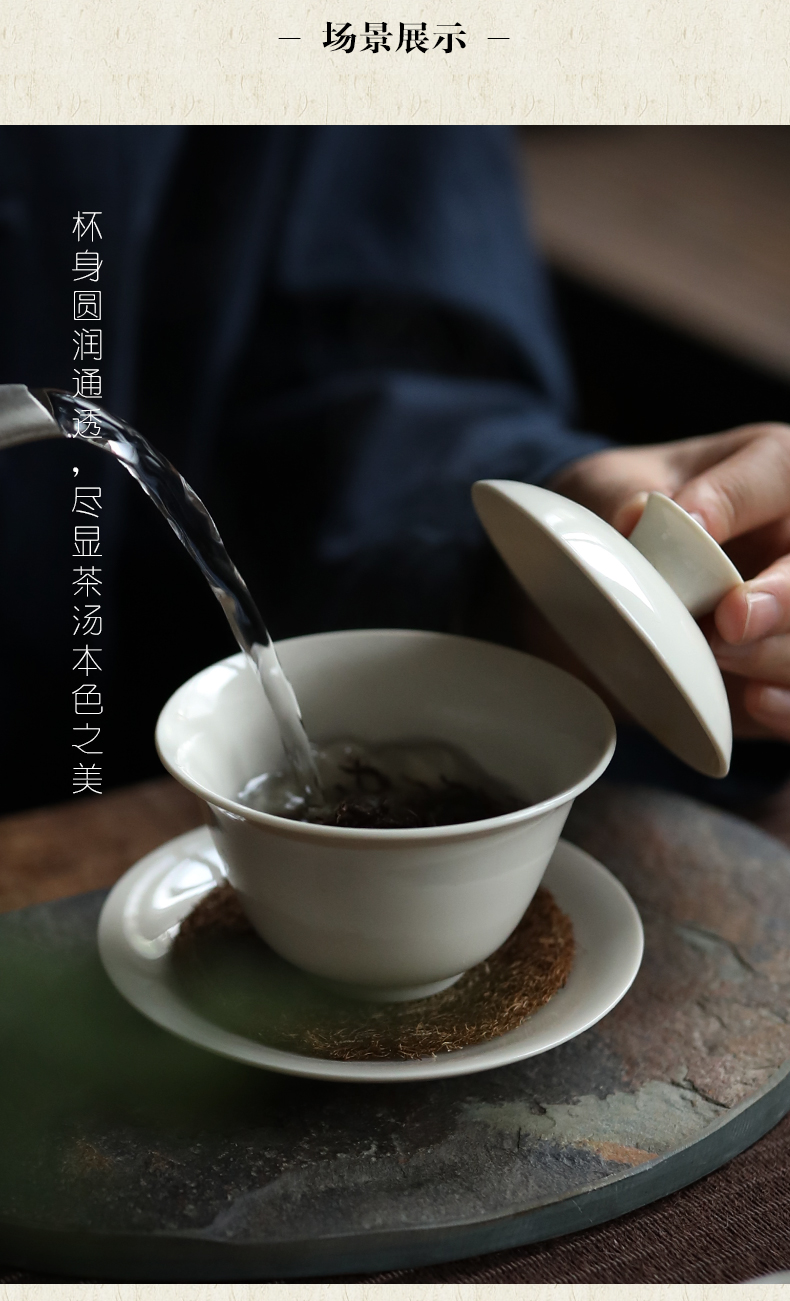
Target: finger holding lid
744, 491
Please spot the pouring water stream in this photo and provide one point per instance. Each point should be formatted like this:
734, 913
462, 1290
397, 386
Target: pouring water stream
27, 416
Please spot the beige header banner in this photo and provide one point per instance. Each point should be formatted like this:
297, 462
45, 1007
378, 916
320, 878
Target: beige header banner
549, 61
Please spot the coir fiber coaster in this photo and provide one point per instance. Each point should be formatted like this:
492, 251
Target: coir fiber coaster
228, 974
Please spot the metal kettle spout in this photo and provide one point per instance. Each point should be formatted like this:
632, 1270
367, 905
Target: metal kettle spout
24, 418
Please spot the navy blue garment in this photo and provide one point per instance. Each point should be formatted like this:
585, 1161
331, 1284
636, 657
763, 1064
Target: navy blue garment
332, 332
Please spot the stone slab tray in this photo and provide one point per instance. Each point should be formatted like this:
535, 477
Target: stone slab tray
127, 1154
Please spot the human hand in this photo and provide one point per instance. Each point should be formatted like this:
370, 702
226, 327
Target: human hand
737, 484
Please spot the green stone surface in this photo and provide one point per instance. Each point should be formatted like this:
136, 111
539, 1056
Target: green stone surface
129, 1154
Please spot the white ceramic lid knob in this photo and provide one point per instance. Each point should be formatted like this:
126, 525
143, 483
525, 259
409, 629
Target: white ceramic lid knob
618, 614
684, 554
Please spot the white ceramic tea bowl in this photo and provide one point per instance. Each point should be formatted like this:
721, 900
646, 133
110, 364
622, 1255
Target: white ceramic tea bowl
390, 914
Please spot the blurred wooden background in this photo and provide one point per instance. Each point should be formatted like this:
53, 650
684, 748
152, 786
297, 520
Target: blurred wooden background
670, 248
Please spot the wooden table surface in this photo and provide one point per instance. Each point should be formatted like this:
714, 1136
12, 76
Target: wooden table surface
690, 224
89, 842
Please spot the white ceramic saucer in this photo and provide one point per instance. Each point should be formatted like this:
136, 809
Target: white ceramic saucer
142, 913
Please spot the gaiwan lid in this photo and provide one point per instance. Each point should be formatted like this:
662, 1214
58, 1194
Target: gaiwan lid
627, 617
